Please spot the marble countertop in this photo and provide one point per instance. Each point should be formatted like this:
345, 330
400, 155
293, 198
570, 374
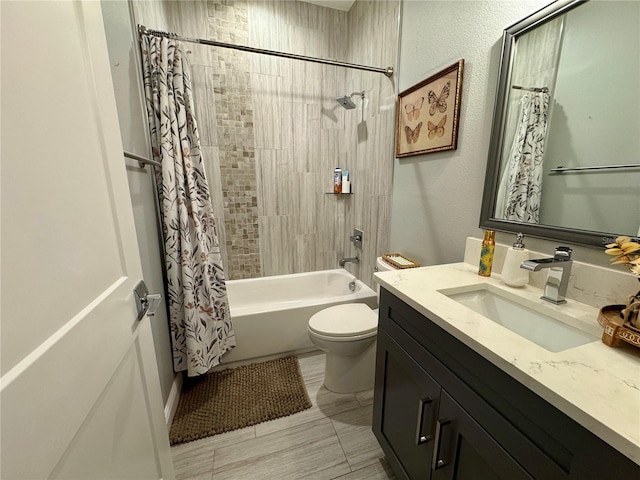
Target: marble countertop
596, 385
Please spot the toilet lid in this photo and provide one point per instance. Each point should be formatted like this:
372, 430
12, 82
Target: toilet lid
344, 320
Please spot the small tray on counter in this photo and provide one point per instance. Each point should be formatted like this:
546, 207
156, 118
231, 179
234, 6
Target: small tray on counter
399, 261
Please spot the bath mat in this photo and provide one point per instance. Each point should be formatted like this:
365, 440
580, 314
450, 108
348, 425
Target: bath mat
238, 397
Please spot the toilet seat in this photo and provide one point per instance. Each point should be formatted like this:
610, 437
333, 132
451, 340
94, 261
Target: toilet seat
346, 320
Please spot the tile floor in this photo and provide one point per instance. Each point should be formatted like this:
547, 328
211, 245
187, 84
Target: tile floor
331, 440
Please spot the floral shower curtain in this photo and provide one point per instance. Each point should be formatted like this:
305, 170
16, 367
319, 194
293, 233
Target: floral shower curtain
521, 185
200, 324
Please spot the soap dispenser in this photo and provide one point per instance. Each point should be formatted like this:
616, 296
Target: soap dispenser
512, 274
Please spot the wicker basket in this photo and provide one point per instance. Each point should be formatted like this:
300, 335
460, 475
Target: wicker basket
616, 330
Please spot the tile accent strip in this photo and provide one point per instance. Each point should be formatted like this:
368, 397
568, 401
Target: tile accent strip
234, 119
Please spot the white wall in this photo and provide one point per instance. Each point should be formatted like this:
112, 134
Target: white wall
125, 71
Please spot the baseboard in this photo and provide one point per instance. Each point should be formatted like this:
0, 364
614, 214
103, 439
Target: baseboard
264, 358
172, 402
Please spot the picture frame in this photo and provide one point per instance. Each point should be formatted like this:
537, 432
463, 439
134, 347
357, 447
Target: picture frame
428, 113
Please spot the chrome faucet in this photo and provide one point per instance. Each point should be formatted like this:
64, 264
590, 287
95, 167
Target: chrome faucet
344, 261
555, 289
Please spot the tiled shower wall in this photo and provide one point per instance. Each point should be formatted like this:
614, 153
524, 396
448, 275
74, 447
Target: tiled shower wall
233, 124
272, 132
373, 40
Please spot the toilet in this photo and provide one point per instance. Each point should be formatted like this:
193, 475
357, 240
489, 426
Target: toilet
347, 334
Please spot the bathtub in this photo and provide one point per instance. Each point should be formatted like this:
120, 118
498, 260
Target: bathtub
270, 314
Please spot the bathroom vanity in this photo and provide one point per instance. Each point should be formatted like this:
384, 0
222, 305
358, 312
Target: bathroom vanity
457, 395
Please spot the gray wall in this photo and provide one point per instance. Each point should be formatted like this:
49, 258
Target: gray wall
125, 70
436, 198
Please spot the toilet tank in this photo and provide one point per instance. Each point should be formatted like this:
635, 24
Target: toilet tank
381, 266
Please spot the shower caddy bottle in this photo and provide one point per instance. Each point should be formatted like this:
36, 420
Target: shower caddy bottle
346, 182
486, 254
337, 180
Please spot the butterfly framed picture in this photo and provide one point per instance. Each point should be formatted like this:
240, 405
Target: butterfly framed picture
428, 113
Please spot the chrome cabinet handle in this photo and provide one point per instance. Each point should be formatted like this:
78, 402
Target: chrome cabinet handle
420, 436
438, 462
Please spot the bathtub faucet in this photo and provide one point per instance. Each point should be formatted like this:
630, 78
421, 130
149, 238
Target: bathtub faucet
344, 261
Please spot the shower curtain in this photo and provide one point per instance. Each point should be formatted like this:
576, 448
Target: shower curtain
200, 324
521, 184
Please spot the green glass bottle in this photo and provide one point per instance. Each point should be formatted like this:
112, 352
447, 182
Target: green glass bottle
486, 254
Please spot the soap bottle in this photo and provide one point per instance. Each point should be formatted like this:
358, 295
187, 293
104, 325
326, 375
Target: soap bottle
337, 180
512, 274
486, 254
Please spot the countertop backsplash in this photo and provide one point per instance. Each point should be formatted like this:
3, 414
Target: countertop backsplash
589, 284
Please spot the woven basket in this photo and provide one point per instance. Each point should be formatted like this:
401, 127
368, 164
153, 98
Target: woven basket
399, 261
616, 330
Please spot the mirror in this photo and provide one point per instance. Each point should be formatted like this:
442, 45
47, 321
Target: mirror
564, 158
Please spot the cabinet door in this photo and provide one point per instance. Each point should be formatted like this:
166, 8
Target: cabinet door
463, 450
406, 409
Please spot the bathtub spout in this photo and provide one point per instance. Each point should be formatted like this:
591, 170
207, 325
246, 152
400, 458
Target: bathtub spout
344, 261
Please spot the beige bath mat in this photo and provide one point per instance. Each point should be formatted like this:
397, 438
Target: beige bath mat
238, 397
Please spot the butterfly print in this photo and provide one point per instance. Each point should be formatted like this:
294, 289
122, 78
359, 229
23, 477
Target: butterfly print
437, 130
413, 110
438, 103
412, 135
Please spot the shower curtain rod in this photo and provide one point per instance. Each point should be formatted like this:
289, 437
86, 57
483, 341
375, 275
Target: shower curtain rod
531, 89
142, 160
144, 30
595, 167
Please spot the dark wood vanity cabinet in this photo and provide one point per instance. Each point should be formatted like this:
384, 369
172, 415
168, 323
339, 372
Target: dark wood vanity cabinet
465, 451
428, 433
441, 411
411, 403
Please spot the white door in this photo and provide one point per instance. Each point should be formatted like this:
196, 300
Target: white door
79, 390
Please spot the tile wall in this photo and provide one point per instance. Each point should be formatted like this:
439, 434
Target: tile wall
233, 125
373, 40
299, 135
272, 132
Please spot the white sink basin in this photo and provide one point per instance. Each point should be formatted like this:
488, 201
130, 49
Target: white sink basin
530, 322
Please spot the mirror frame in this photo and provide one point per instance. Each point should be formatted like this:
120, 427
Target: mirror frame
487, 220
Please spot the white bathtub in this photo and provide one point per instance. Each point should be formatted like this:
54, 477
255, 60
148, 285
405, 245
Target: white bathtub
270, 314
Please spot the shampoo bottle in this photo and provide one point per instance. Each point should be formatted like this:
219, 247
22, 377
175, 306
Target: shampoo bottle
337, 180
512, 274
486, 254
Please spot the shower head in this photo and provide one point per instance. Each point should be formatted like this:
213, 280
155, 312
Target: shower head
346, 101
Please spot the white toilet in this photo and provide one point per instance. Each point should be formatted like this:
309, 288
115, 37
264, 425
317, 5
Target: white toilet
347, 334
